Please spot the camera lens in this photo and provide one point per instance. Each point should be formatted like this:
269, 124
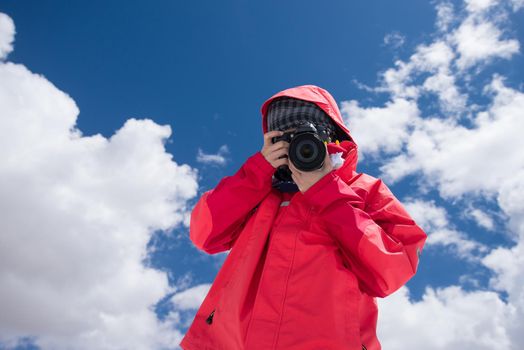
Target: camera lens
307, 151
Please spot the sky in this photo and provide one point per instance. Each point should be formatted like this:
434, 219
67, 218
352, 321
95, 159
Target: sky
116, 116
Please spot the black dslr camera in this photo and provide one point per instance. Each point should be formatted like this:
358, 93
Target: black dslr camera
306, 149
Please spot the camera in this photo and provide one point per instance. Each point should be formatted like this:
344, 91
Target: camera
307, 150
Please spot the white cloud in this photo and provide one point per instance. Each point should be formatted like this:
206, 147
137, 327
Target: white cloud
517, 4
462, 160
7, 35
432, 63
434, 221
427, 214
444, 319
443, 85
185, 303
480, 158
463, 247
445, 15
452, 317
510, 200
479, 5
394, 39
482, 218
508, 263
480, 41
397, 81
219, 158
191, 298
380, 129
460, 45
76, 215
433, 57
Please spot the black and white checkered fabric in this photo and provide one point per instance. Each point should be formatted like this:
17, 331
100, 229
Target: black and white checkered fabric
285, 112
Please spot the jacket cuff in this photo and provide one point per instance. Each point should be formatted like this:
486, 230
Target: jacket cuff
260, 162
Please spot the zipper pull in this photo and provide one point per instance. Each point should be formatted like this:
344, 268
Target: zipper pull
210, 317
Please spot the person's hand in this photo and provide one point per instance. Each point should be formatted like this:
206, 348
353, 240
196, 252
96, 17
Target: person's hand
274, 151
306, 179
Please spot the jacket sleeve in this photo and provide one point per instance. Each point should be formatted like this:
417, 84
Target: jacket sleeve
220, 214
378, 239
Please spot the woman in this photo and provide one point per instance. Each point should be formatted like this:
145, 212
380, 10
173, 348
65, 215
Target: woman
306, 261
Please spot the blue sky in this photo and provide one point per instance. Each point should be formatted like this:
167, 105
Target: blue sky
163, 100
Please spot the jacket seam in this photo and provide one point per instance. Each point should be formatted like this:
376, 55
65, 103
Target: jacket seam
246, 342
287, 282
269, 248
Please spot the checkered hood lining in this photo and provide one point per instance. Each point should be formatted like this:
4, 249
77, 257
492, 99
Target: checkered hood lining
286, 112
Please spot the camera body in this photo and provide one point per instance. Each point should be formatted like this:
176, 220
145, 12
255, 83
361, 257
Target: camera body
307, 149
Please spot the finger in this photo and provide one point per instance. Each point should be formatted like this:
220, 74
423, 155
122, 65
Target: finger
269, 135
280, 162
278, 145
281, 153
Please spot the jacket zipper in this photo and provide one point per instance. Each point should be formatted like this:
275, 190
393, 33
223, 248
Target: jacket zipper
209, 319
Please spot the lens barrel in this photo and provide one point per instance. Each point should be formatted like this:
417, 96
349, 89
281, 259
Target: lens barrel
307, 151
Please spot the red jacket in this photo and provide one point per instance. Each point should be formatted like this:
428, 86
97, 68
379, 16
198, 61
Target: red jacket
301, 275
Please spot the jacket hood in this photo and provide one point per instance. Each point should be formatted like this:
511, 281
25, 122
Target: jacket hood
327, 103
311, 93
